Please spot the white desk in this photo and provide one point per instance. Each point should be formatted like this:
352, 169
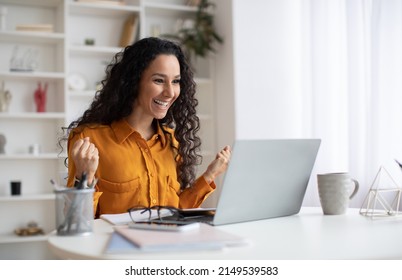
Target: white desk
308, 235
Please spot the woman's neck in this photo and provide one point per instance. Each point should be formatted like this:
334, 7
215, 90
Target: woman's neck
144, 127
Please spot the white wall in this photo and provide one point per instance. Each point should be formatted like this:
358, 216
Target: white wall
267, 57
262, 49
264, 40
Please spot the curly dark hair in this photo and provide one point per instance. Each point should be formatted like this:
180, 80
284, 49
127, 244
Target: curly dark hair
120, 89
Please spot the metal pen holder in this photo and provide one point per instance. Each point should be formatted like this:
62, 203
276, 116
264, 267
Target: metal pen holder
74, 211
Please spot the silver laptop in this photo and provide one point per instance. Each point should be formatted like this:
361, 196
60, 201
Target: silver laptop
265, 179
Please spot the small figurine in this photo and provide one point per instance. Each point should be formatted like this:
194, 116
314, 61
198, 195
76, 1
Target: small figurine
27, 62
2, 144
40, 98
5, 98
16, 63
31, 229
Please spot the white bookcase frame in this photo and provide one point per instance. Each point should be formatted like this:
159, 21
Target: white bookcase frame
61, 53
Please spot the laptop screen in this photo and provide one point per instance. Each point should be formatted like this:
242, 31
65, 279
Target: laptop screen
265, 179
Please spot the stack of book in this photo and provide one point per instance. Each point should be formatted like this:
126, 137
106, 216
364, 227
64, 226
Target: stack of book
205, 237
35, 27
107, 2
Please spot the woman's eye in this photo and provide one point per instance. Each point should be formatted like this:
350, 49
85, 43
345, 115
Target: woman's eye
158, 81
177, 81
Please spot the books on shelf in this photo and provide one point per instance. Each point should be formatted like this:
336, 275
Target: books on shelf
35, 27
107, 2
206, 237
129, 32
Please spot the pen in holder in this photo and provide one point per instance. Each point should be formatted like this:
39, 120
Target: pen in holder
74, 211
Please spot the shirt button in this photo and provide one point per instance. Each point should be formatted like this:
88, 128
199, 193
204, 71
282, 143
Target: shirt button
154, 201
146, 150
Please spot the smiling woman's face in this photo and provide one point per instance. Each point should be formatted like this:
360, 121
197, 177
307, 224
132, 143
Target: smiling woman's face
159, 87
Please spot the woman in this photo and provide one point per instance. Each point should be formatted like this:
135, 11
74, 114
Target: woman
139, 136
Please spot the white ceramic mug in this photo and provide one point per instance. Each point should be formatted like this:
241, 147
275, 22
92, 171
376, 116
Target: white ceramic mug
335, 191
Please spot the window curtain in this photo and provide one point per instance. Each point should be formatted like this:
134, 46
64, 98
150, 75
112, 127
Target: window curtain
352, 88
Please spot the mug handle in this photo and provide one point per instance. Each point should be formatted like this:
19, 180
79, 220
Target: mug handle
356, 188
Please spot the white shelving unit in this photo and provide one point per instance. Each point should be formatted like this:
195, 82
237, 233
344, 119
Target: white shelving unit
59, 55
23, 126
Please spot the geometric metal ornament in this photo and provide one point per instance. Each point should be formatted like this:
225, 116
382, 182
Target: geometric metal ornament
383, 198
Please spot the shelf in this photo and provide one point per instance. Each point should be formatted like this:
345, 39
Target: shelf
31, 37
168, 9
80, 49
34, 75
30, 116
32, 197
12, 238
102, 9
45, 3
41, 156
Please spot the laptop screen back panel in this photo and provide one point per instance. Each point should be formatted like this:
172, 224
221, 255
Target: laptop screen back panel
266, 179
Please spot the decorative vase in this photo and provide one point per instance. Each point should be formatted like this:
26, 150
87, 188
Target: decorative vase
40, 98
5, 98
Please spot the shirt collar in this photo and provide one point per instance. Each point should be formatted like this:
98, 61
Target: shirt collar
161, 135
123, 130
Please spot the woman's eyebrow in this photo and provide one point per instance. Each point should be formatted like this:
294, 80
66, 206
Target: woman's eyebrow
164, 75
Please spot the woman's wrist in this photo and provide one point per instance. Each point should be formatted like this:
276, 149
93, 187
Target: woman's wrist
209, 178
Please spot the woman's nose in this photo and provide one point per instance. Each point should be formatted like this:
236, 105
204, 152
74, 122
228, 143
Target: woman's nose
168, 91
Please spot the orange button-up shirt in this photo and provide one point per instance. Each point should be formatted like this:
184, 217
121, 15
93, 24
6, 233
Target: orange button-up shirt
135, 172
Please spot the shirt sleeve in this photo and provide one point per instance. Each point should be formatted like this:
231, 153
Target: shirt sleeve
194, 196
71, 165
71, 170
